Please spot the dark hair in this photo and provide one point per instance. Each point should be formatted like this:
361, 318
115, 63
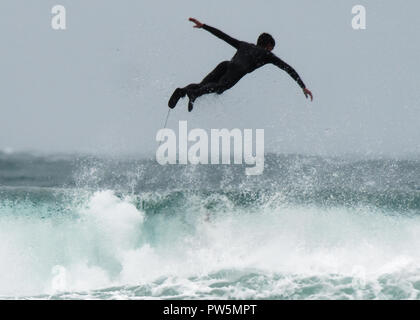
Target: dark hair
265, 39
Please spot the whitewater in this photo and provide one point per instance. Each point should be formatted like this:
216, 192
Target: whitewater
83, 227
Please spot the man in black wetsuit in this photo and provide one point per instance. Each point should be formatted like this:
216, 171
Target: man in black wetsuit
248, 58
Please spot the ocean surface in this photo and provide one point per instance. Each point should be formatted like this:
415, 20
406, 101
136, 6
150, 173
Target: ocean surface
84, 227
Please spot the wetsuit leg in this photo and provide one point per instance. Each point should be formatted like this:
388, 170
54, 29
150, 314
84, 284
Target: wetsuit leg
231, 76
216, 74
213, 87
212, 77
224, 84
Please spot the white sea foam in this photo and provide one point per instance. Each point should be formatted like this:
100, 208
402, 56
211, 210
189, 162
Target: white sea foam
277, 251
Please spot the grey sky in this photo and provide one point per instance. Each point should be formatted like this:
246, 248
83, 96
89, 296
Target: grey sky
103, 84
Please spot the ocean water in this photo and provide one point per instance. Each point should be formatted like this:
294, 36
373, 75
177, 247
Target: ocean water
83, 227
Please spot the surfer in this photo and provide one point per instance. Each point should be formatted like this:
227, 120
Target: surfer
248, 58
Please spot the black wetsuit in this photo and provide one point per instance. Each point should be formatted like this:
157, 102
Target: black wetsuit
248, 58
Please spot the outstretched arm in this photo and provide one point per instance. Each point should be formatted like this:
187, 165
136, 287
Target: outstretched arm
292, 72
220, 34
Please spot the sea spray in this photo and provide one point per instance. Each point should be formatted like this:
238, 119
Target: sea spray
301, 234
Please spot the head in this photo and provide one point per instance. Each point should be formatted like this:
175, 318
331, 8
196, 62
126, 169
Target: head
266, 41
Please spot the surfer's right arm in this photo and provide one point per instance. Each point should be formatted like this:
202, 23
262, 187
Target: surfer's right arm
220, 34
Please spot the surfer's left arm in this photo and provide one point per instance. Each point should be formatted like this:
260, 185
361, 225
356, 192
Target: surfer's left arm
292, 72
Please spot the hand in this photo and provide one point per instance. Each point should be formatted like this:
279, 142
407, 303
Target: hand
307, 93
198, 24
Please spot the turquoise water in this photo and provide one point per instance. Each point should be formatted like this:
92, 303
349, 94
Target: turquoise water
309, 228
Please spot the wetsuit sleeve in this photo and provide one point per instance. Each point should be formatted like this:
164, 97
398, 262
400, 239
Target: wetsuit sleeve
284, 66
221, 35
